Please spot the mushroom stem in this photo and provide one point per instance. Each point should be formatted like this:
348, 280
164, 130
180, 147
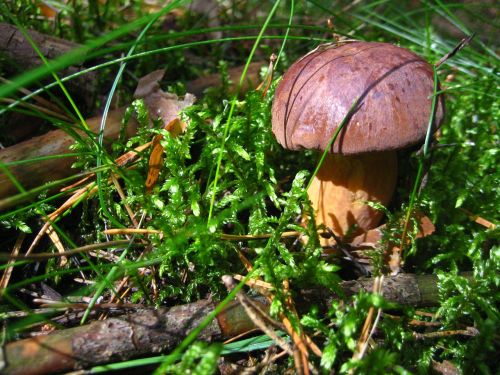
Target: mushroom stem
342, 186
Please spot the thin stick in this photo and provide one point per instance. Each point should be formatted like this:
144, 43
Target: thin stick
78, 250
223, 236
464, 42
470, 331
256, 316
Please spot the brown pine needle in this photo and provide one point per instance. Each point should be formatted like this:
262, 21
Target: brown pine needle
78, 250
8, 271
223, 236
113, 232
77, 195
369, 327
479, 220
255, 283
54, 237
256, 316
123, 198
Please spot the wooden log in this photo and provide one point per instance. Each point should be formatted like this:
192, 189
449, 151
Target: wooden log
22, 57
57, 141
52, 143
114, 339
17, 48
199, 85
154, 331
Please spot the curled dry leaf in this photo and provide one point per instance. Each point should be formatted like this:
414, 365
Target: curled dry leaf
373, 237
167, 107
160, 104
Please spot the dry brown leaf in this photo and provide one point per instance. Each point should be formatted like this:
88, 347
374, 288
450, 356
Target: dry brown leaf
373, 237
164, 106
425, 228
479, 219
160, 104
155, 162
47, 10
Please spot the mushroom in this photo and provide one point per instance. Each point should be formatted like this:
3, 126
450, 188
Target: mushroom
392, 87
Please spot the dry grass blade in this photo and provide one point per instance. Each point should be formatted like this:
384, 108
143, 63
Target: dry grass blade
54, 237
81, 249
8, 271
259, 318
368, 327
77, 195
123, 198
41, 101
38, 108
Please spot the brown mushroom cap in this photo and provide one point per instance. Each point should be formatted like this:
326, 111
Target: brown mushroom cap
394, 87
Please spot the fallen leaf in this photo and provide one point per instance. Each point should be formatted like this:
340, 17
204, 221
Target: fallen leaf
155, 162
373, 237
164, 106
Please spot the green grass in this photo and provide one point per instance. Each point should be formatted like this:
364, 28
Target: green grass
227, 174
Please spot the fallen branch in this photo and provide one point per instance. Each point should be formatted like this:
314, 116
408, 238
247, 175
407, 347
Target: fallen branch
55, 142
153, 331
17, 49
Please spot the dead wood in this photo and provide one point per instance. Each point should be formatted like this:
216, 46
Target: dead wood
22, 57
115, 339
57, 142
52, 143
16, 47
199, 85
153, 331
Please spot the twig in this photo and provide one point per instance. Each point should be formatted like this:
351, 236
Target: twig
255, 315
470, 331
163, 329
464, 42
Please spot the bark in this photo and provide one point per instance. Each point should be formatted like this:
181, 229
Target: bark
16, 47
199, 85
19, 52
58, 141
153, 331
115, 339
52, 143
404, 289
